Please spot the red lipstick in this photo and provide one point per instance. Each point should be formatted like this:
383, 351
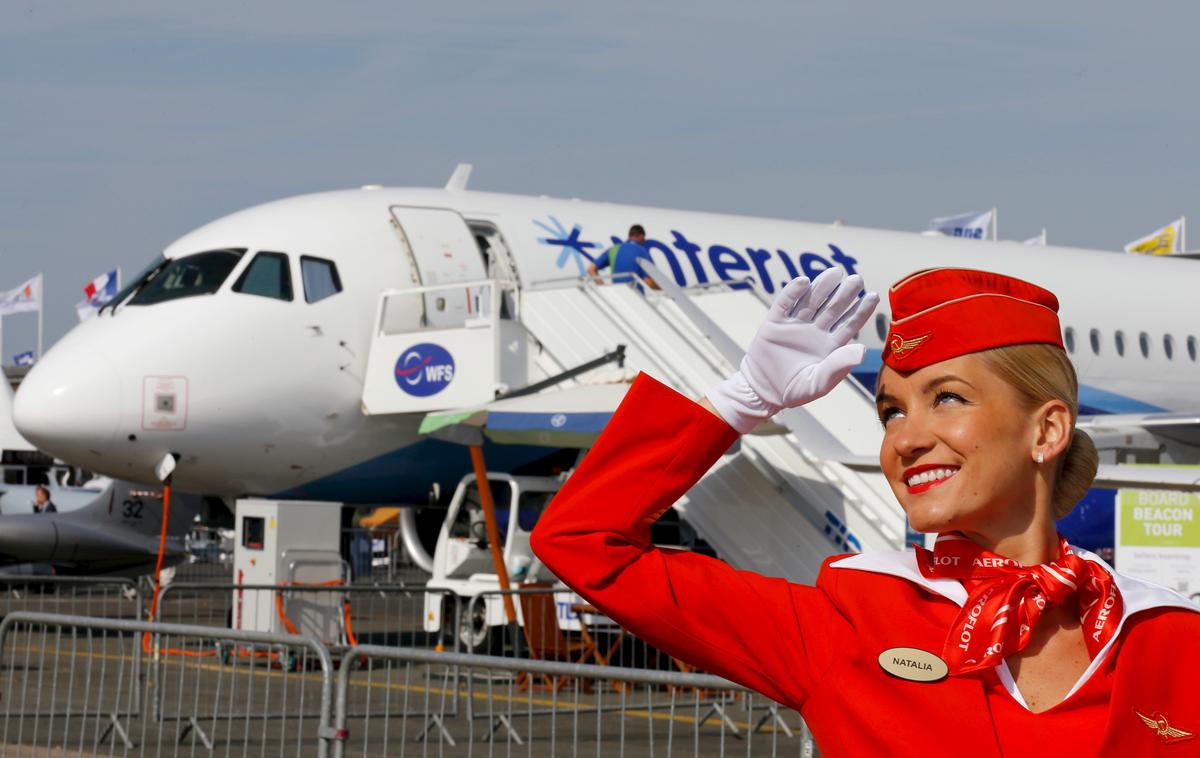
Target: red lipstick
915, 489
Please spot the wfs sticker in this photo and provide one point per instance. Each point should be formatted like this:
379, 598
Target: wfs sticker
425, 369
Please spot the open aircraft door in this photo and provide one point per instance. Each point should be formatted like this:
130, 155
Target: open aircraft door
441, 250
436, 343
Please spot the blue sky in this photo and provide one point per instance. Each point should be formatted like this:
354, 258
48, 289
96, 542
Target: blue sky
125, 124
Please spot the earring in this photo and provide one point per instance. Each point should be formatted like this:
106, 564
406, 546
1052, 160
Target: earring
1041, 457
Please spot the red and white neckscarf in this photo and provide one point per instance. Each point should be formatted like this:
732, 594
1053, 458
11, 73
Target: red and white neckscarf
1005, 599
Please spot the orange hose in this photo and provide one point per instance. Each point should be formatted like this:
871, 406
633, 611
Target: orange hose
162, 549
162, 537
287, 623
350, 638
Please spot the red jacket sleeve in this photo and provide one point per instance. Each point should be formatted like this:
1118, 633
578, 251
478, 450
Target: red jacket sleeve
768, 634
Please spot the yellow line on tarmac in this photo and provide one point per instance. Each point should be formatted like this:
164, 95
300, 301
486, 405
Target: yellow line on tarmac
567, 705
76, 654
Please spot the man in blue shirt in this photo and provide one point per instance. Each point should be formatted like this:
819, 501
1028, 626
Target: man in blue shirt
623, 260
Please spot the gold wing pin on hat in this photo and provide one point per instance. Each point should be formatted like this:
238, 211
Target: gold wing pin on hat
901, 347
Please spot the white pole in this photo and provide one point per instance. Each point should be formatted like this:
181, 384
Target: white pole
1043, 236
995, 224
1183, 234
2, 341
41, 307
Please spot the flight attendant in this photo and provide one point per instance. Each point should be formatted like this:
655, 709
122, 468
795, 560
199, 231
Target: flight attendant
1002, 640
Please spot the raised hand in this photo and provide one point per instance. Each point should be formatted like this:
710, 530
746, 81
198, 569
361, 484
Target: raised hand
801, 351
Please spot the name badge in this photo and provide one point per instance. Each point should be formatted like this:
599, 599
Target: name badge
913, 664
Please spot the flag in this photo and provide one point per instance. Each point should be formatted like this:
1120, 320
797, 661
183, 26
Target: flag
97, 292
973, 225
1038, 240
27, 297
1165, 241
23, 359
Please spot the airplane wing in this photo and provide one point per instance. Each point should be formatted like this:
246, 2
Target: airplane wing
1177, 433
1179, 478
1114, 476
571, 417
575, 417
1113, 421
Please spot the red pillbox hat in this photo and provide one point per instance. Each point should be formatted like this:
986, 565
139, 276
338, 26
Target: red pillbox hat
942, 313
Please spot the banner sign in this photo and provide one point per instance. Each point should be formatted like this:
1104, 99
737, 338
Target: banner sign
1158, 538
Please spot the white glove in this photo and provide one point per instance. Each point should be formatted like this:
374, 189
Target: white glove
800, 352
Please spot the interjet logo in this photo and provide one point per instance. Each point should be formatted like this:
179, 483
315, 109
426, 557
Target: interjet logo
689, 261
425, 369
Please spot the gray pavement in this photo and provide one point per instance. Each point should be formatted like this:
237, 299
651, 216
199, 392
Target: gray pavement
79, 693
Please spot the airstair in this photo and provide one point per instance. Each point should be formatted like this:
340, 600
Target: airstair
780, 503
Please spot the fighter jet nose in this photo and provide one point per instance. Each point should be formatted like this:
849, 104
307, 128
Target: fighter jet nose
69, 404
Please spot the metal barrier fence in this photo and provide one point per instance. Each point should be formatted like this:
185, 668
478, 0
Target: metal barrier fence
337, 615
537, 708
71, 683
83, 686
556, 625
81, 596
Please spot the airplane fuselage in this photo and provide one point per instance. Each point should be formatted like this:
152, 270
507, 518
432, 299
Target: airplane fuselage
266, 393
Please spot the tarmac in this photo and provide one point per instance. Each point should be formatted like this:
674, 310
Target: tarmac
65, 693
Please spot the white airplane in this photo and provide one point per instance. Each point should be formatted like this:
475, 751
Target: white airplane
244, 348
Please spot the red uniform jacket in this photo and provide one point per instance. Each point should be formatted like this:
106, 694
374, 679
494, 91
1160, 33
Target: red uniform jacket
815, 649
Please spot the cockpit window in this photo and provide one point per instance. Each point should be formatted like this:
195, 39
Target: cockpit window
137, 282
267, 275
199, 274
320, 278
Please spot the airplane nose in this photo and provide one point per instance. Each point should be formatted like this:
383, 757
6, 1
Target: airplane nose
69, 404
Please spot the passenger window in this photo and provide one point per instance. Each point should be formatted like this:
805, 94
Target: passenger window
1169, 346
199, 274
320, 278
881, 325
268, 276
1191, 348
1069, 339
1144, 344
1094, 337
1119, 339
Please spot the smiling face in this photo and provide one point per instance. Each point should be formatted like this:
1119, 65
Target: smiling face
958, 447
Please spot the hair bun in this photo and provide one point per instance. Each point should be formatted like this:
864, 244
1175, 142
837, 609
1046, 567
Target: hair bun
1077, 473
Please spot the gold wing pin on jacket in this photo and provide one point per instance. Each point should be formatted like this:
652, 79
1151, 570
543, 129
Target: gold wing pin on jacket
1163, 728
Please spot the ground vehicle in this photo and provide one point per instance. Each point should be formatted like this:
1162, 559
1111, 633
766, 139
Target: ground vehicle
462, 561
463, 567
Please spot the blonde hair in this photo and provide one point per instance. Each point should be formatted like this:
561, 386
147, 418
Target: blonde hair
1040, 373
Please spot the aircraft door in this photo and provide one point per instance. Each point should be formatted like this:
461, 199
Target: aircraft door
442, 250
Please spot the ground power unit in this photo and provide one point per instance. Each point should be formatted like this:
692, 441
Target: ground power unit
294, 548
